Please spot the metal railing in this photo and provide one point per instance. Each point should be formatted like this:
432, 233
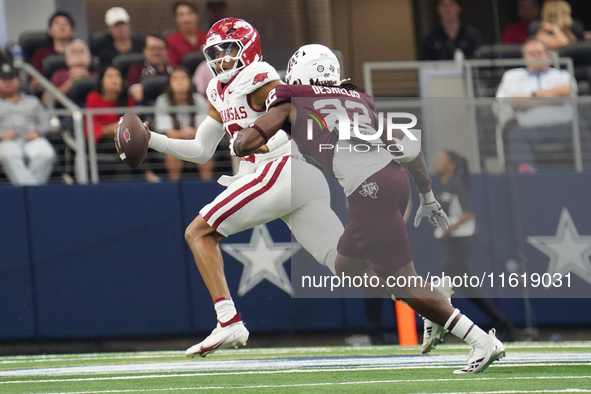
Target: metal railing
86, 166
81, 169
86, 158
469, 72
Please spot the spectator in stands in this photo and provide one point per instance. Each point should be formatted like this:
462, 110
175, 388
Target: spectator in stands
201, 78
189, 37
61, 32
528, 11
155, 64
78, 61
26, 156
557, 28
179, 91
110, 93
537, 120
451, 35
120, 38
214, 11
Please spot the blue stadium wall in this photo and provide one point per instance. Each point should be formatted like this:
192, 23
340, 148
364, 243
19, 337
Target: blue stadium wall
110, 260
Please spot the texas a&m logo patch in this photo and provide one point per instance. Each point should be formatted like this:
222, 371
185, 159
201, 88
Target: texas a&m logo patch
369, 189
260, 78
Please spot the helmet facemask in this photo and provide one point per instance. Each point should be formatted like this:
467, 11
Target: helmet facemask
218, 54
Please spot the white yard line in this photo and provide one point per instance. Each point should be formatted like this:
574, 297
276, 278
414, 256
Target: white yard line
190, 375
282, 386
273, 351
320, 363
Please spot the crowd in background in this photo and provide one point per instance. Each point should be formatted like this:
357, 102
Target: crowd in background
118, 67
551, 23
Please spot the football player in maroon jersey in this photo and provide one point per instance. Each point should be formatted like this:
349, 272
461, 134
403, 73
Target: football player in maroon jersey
376, 187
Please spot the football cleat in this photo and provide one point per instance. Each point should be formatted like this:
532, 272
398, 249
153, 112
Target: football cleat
432, 334
481, 357
222, 337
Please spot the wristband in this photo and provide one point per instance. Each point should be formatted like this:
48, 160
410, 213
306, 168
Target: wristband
261, 132
277, 140
427, 198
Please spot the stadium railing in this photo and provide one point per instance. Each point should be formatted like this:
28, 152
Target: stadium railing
488, 140
403, 79
73, 139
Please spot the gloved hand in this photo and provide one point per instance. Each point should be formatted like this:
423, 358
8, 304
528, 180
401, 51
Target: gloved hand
431, 209
232, 140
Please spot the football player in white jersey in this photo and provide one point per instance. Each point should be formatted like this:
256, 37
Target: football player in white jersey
262, 189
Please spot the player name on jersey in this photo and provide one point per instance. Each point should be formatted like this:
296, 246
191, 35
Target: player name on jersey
333, 90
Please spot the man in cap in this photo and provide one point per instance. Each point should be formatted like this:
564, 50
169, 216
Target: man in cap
120, 38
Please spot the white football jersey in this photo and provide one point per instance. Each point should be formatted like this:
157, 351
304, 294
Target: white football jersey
233, 104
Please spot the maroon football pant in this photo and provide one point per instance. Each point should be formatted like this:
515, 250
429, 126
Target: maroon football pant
375, 228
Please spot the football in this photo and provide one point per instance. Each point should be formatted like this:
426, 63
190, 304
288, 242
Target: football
131, 140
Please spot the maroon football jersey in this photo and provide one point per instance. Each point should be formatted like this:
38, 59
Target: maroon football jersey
315, 129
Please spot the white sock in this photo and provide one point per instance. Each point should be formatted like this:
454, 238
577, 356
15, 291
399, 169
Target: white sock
473, 337
225, 310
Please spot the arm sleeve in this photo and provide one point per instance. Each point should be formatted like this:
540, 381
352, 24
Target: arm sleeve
200, 150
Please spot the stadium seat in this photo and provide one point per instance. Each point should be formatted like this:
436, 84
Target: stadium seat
166, 32
31, 40
153, 87
95, 65
53, 63
124, 61
192, 60
488, 78
580, 52
499, 51
80, 90
97, 39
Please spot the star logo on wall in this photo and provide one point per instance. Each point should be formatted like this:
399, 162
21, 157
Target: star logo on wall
568, 251
262, 259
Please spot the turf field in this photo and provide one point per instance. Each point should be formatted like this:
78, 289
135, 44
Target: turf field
528, 368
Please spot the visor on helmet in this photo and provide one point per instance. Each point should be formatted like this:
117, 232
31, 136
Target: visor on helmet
221, 50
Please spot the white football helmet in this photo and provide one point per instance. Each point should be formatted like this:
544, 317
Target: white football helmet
313, 62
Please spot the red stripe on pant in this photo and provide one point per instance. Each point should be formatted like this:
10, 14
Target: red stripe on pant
243, 189
254, 195
236, 193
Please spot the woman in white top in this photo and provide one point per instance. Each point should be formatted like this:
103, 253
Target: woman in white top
183, 124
